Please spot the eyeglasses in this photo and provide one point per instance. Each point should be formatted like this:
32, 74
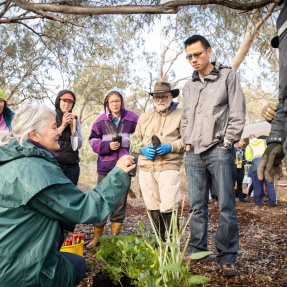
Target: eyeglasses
157, 98
195, 55
115, 102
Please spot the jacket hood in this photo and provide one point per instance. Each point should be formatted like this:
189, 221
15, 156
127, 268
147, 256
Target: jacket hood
213, 75
255, 141
57, 101
107, 110
25, 171
13, 151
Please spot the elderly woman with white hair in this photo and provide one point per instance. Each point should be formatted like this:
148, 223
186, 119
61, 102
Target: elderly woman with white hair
35, 196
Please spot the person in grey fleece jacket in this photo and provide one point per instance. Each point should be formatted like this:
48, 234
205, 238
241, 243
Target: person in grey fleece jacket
213, 118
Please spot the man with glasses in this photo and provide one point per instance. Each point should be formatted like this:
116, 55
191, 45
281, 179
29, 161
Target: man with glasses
159, 164
213, 117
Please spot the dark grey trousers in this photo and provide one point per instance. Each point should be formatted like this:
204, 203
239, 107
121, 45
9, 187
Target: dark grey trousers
119, 213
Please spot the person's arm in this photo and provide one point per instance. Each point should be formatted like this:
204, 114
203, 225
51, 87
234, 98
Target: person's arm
79, 133
277, 133
98, 145
177, 146
147, 151
138, 131
65, 202
184, 119
66, 120
236, 102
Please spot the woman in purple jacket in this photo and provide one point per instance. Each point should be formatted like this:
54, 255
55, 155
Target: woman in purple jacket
109, 140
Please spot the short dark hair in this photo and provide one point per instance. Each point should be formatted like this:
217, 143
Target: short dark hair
195, 38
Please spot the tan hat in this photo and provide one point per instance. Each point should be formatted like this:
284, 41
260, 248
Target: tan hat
161, 87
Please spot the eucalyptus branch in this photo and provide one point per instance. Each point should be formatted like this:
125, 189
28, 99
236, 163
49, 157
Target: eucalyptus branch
171, 7
87, 117
16, 19
6, 7
182, 79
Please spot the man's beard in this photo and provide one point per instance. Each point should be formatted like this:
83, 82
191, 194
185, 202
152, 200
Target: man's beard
162, 107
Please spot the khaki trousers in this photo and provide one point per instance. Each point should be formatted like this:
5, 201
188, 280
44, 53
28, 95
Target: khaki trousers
161, 190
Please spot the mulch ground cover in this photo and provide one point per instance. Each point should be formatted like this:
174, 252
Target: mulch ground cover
262, 258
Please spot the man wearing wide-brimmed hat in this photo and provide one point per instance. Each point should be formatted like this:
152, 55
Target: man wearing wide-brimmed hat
159, 166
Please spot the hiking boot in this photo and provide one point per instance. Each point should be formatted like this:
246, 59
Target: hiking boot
229, 270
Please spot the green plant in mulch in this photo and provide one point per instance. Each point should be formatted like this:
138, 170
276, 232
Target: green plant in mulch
170, 268
147, 266
124, 255
135, 143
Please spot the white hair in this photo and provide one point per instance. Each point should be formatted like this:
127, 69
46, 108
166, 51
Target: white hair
27, 118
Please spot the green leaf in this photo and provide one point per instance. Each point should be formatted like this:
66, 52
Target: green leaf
144, 279
106, 237
172, 267
141, 225
130, 238
121, 237
196, 279
199, 255
170, 244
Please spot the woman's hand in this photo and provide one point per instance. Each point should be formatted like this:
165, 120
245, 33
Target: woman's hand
126, 163
66, 120
114, 145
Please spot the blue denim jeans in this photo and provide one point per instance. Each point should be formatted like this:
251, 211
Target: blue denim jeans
259, 192
218, 162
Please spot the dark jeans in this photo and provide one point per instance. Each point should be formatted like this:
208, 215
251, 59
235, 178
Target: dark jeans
218, 162
72, 172
79, 265
258, 190
239, 180
119, 213
210, 185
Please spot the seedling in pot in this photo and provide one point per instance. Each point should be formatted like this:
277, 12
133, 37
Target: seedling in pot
135, 148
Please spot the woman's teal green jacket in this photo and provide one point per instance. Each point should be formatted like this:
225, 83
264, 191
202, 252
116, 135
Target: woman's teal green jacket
34, 196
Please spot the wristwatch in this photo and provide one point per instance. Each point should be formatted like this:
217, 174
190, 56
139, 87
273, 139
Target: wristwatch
226, 145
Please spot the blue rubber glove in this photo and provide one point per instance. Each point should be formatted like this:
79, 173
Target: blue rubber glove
163, 149
148, 152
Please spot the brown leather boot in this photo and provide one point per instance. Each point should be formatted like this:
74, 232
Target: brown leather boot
115, 228
98, 232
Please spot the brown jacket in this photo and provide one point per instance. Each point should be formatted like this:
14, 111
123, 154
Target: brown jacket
167, 127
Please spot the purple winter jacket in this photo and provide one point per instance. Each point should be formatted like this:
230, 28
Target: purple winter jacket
101, 137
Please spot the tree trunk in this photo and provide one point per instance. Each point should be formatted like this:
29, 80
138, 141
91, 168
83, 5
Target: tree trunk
252, 28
